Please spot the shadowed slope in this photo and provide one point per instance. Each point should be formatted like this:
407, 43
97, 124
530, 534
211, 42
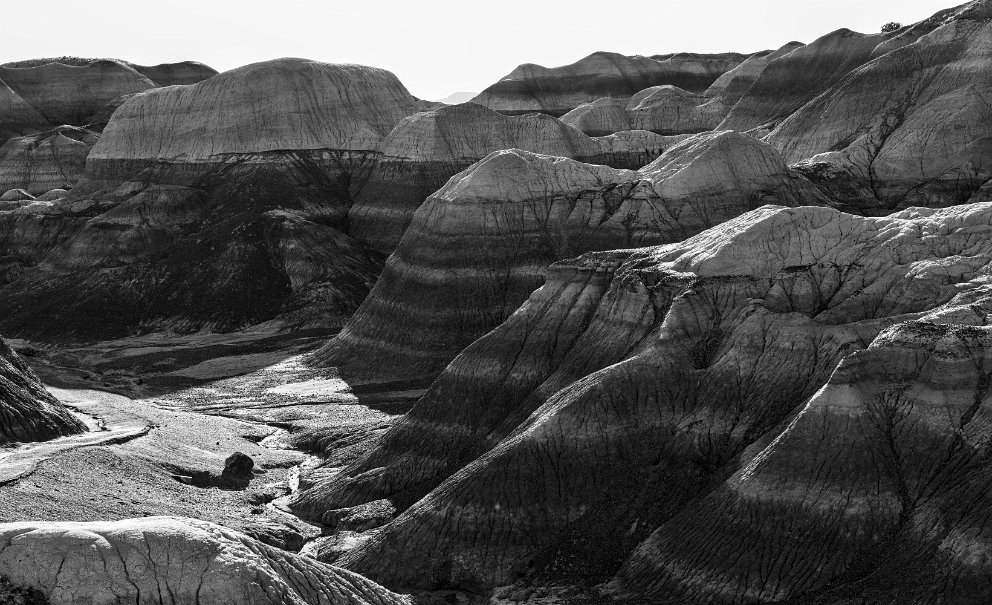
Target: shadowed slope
27, 411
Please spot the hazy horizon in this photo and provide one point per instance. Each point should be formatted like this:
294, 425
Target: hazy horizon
436, 48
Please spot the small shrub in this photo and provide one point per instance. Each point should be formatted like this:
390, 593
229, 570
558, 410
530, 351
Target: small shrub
891, 26
12, 594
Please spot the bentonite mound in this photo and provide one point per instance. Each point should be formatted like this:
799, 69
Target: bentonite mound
481, 244
558, 90
910, 128
426, 149
876, 491
28, 412
45, 161
168, 74
169, 559
635, 382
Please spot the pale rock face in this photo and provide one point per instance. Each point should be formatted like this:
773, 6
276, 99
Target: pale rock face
678, 360
70, 94
478, 246
560, 89
16, 195
907, 129
28, 412
49, 160
189, 560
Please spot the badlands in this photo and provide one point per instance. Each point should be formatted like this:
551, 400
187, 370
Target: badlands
672, 329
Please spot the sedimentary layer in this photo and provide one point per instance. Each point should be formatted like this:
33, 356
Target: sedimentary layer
637, 381
481, 244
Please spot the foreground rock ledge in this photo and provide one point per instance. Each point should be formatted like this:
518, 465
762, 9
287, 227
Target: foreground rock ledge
170, 559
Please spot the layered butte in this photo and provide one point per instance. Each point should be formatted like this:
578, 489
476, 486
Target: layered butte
318, 109
426, 149
28, 412
673, 388
558, 90
219, 204
482, 243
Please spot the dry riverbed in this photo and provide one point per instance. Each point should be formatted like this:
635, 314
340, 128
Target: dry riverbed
162, 409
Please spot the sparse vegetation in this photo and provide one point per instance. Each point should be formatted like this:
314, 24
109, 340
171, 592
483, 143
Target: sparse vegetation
12, 594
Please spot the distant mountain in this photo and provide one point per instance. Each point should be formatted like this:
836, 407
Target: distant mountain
456, 97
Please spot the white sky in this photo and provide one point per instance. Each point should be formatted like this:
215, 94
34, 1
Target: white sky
436, 47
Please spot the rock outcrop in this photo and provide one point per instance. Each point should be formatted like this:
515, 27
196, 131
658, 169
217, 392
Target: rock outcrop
909, 128
45, 161
169, 559
28, 412
481, 244
426, 149
557, 90
631, 386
